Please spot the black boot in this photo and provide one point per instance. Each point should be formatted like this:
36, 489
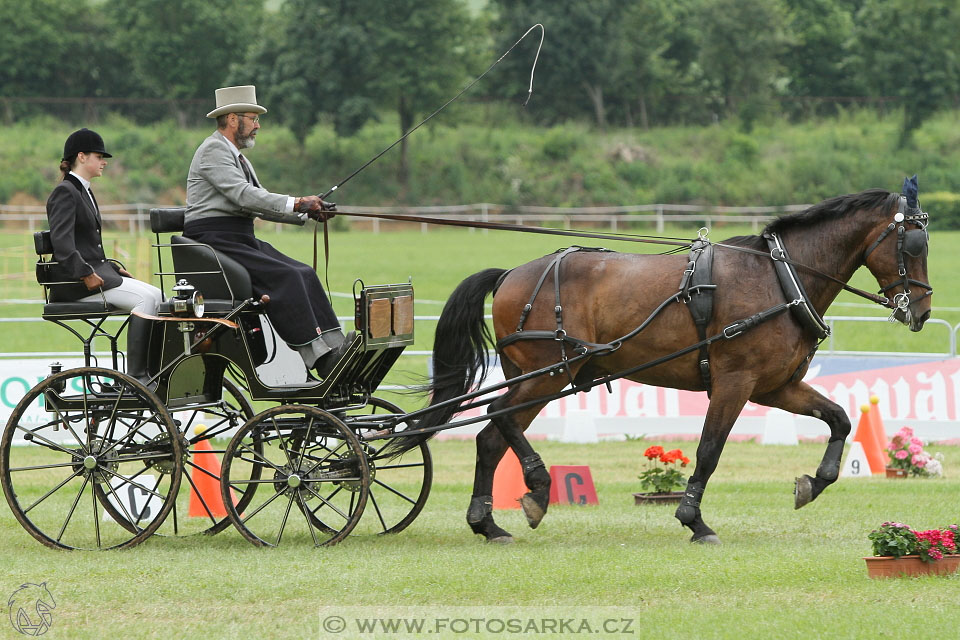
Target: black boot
138, 348
329, 360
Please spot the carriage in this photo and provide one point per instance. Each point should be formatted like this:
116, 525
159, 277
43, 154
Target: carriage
330, 458
94, 458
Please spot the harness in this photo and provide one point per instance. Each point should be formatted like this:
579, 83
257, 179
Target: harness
697, 288
696, 291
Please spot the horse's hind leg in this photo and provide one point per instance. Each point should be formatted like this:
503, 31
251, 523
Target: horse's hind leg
799, 397
490, 449
535, 474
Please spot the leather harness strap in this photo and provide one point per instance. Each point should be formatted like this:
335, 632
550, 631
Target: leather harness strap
793, 289
696, 291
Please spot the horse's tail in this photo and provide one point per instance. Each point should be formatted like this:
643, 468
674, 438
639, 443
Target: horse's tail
459, 353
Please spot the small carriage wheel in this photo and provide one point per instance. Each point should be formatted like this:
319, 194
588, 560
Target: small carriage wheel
399, 487
90, 459
311, 473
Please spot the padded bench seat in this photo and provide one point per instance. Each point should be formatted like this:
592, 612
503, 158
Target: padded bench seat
79, 310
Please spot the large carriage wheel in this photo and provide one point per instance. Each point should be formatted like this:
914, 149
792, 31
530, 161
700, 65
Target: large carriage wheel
312, 477
399, 487
206, 431
90, 459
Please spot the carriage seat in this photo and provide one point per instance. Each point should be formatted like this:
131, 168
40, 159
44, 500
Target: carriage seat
223, 282
72, 310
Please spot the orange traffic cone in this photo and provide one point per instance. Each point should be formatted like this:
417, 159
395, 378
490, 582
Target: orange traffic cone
876, 421
866, 436
508, 484
205, 479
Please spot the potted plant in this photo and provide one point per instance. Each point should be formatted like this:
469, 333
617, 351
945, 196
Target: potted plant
899, 550
907, 457
661, 480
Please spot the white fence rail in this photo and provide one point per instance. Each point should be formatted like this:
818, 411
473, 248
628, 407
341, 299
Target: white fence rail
950, 338
136, 217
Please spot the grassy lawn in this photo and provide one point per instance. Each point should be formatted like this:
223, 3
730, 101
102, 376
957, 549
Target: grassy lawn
779, 572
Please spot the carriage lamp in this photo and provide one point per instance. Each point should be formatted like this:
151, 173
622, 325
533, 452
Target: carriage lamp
187, 301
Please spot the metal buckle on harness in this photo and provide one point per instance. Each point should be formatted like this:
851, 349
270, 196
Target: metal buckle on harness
736, 326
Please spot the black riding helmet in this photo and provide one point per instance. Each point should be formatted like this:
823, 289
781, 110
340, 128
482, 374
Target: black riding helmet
84, 141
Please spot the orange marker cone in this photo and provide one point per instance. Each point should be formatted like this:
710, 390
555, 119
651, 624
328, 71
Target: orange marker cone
206, 479
866, 436
508, 484
876, 421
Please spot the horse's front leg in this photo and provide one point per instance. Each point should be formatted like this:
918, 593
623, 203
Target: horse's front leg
799, 397
726, 402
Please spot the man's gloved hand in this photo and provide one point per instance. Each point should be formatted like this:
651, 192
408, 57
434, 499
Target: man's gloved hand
315, 208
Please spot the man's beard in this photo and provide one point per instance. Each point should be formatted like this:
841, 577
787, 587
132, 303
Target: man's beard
244, 140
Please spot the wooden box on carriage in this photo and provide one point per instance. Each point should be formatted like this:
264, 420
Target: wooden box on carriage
384, 313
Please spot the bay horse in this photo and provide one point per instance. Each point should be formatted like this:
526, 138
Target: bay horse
591, 303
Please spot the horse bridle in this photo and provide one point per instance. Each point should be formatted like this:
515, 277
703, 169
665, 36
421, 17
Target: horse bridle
911, 242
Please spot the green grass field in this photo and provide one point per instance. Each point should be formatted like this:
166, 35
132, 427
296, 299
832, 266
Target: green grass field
779, 573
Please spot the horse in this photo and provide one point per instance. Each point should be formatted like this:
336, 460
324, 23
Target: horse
611, 311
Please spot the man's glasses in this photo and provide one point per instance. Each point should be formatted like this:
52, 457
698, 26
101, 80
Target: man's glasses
254, 118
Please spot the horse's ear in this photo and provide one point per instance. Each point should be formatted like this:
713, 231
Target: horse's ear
910, 190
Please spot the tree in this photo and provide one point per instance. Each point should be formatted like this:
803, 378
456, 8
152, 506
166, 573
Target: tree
909, 49
49, 49
181, 49
405, 55
582, 56
740, 45
657, 52
817, 60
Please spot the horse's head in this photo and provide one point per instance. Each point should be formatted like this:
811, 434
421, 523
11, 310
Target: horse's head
898, 259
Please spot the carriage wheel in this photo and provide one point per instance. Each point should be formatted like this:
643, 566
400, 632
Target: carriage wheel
90, 459
312, 475
206, 430
399, 487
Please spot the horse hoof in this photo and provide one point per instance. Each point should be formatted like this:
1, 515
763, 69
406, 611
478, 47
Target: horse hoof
708, 539
532, 510
501, 540
802, 491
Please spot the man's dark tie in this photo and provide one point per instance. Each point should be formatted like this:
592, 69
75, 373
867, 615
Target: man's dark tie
247, 171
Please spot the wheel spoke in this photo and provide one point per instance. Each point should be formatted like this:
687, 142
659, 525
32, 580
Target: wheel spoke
310, 527
260, 508
394, 491
286, 514
73, 508
52, 491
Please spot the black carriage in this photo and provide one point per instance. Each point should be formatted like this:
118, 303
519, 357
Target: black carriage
94, 458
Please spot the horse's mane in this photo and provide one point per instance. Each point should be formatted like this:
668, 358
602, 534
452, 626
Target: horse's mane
828, 209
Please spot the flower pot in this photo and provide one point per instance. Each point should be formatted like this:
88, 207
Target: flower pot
890, 567
896, 472
668, 497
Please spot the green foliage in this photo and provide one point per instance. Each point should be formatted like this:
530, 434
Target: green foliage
50, 48
893, 539
518, 164
155, 37
908, 48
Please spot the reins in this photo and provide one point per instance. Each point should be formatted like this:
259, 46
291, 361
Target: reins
475, 224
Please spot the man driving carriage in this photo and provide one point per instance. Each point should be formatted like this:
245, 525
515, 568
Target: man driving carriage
224, 197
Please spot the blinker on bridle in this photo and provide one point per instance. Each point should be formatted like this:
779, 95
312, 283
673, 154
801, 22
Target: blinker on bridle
913, 242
